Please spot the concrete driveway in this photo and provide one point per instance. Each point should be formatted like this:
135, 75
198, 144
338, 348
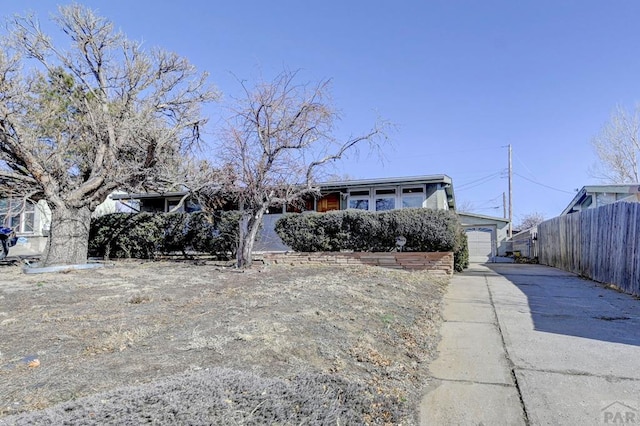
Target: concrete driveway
529, 344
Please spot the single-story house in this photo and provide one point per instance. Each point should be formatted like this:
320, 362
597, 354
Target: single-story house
32, 220
434, 191
431, 191
592, 196
486, 236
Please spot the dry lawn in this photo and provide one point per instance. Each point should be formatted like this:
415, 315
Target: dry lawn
65, 336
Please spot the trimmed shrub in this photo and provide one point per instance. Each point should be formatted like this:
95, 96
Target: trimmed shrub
425, 230
126, 235
217, 234
461, 252
144, 235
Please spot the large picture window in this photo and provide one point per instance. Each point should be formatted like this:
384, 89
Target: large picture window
359, 200
412, 197
385, 199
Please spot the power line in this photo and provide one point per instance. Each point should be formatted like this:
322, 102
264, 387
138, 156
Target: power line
523, 165
477, 182
542, 184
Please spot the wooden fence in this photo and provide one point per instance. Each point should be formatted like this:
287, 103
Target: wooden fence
601, 244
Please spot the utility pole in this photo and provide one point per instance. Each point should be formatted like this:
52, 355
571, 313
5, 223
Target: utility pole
510, 195
504, 204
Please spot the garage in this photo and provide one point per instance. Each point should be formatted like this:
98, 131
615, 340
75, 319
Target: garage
486, 235
480, 242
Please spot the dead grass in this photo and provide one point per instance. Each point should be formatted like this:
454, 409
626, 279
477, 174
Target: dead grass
139, 322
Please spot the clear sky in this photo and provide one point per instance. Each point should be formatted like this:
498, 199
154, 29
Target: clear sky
461, 80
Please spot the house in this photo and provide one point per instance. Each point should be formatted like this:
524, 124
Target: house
486, 236
431, 191
592, 196
434, 191
32, 220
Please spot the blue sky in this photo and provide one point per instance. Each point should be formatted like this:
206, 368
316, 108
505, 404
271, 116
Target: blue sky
460, 79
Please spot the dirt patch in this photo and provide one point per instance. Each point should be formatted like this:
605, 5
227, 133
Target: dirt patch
70, 335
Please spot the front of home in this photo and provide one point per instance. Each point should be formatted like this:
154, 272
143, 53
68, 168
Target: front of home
430, 191
486, 235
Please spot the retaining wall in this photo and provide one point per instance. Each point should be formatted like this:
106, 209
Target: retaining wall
437, 262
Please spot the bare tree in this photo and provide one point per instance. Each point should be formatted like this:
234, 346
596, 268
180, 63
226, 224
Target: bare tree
78, 123
465, 206
277, 142
530, 220
617, 147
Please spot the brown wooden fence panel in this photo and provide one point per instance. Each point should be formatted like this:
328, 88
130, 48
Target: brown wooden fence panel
601, 244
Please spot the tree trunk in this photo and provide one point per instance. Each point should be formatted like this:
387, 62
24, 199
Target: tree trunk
249, 227
68, 242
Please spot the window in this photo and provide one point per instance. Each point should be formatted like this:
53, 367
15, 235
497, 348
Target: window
412, 197
385, 199
18, 215
359, 200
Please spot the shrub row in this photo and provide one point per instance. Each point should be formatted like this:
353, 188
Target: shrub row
425, 230
144, 235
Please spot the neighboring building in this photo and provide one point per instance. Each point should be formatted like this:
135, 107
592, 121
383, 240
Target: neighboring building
486, 236
30, 221
525, 243
592, 196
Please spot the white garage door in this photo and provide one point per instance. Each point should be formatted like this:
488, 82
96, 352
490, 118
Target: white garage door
480, 246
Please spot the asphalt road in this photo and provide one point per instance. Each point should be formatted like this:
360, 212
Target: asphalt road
529, 344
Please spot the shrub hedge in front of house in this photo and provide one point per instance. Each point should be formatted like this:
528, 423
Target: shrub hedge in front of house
144, 235
425, 230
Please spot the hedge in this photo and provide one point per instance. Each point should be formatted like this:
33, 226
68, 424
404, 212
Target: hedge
144, 235
425, 230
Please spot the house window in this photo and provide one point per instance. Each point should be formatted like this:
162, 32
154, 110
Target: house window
18, 215
412, 197
359, 200
385, 199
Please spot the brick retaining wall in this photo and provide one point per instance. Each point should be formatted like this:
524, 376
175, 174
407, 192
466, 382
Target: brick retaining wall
439, 262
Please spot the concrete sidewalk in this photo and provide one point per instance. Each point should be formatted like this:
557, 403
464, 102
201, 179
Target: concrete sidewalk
528, 344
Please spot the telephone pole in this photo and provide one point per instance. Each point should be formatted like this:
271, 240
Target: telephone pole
504, 205
510, 196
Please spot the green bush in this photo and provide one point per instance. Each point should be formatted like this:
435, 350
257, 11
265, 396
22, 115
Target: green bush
425, 230
144, 235
461, 252
125, 235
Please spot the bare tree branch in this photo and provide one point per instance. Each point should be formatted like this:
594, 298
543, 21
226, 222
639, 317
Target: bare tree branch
77, 124
617, 147
275, 143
